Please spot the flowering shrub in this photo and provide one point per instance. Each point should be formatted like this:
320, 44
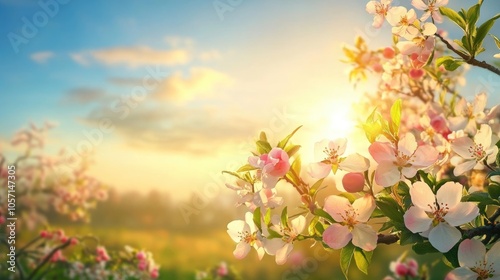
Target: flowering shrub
39, 182
432, 177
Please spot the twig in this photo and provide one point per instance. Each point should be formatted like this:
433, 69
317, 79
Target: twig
494, 216
468, 59
47, 258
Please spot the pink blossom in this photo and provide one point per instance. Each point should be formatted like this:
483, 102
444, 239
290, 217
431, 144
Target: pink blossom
475, 152
273, 165
437, 216
222, 269
102, 254
431, 8
351, 223
396, 163
331, 155
475, 262
379, 9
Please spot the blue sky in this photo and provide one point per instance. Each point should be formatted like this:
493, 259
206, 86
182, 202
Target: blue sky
261, 57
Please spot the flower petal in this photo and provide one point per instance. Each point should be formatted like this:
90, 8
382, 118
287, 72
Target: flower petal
235, 227
273, 245
483, 136
407, 144
463, 213
461, 273
249, 222
298, 224
336, 206
416, 220
449, 194
422, 196
337, 236
419, 4
382, 152
282, 253
425, 155
338, 145
471, 252
461, 146
355, 163
387, 174
364, 207
493, 256
443, 237
429, 29
319, 170
371, 7
364, 237
241, 250
464, 167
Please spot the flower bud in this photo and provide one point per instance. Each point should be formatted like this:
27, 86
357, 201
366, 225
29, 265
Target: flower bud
353, 182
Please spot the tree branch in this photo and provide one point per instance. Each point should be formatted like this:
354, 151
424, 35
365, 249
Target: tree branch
468, 59
494, 216
488, 230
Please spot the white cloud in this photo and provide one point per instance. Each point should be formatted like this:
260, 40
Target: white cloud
200, 82
80, 58
133, 56
41, 57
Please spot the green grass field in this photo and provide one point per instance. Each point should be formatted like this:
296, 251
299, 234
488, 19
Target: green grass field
182, 254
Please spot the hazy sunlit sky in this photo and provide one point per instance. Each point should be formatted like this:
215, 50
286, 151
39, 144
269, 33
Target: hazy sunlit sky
206, 82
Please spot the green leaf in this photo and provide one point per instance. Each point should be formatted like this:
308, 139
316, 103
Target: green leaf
296, 165
424, 248
323, 214
345, 258
311, 229
267, 217
472, 17
453, 16
479, 197
494, 191
246, 167
273, 234
482, 31
282, 143
263, 136
452, 256
386, 226
315, 187
390, 208
263, 147
349, 196
408, 237
497, 42
257, 218
233, 174
362, 259
292, 149
396, 116
320, 228
284, 218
